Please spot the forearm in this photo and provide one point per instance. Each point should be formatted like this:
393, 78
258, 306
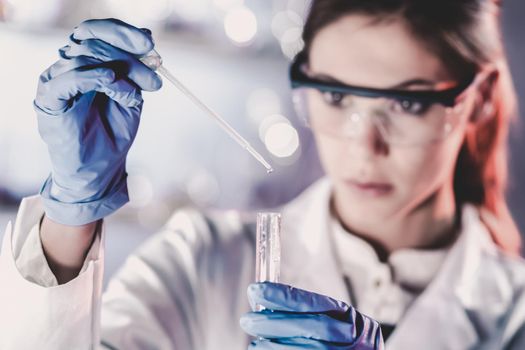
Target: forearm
65, 247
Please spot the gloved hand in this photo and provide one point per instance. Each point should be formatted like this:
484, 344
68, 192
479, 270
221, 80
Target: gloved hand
88, 106
298, 319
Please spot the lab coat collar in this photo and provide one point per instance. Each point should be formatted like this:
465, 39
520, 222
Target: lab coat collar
462, 305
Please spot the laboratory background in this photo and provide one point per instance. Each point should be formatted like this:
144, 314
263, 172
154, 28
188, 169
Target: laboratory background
232, 54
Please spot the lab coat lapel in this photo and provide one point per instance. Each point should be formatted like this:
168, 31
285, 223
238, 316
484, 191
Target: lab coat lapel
464, 303
308, 260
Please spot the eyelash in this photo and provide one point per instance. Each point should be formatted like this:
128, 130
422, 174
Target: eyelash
416, 108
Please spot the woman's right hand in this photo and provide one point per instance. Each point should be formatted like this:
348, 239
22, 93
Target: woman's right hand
88, 105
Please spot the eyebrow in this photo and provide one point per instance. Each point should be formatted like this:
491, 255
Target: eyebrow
411, 82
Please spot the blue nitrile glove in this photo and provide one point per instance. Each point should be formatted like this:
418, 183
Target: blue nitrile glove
88, 106
297, 319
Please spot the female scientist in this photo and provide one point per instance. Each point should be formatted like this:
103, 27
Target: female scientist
409, 102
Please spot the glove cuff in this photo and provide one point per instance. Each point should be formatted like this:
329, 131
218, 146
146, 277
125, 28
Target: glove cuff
81, 213
369, 336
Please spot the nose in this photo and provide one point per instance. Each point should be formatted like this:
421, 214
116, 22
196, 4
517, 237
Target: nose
364, 134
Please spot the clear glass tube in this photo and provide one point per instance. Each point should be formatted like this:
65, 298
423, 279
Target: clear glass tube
268, 248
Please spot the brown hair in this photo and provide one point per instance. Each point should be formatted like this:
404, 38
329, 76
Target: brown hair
466, 35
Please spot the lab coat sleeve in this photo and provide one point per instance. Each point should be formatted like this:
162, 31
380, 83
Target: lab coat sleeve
32, 263
155, 300
180, 289
35, 316
169, 294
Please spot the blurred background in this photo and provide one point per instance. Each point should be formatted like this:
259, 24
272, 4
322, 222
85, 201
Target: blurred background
234, 55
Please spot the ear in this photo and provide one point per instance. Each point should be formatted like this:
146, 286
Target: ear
484, 103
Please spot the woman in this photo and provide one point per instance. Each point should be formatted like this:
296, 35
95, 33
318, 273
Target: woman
409, 102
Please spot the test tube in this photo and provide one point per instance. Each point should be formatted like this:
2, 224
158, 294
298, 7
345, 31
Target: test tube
268, 248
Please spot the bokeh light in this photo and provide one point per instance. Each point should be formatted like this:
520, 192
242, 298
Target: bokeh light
240, 25
268, 121
291, 42
284, 20
281, 139
287, 27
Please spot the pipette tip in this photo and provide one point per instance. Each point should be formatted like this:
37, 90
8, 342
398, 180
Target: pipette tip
222, 123
259, 158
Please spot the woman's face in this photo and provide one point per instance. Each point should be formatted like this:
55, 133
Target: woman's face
375, 180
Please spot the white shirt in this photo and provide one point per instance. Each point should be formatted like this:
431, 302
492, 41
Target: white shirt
383, 290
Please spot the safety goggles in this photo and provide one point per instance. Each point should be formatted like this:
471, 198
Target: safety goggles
405, 117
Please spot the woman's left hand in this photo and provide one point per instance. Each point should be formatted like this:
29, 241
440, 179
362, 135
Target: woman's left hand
297, 319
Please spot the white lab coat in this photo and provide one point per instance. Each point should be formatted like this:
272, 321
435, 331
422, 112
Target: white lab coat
185, 287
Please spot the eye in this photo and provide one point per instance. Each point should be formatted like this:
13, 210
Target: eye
410, 107
333, 98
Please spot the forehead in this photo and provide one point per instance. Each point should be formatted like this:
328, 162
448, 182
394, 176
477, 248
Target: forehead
360, 50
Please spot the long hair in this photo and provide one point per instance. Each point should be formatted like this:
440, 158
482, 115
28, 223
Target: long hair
466, 36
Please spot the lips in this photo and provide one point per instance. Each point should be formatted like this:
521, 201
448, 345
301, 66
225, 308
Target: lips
374, 189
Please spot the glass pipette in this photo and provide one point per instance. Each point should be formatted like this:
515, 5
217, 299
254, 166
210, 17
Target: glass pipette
154, 61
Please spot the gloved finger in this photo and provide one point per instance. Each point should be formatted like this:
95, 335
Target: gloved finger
277, 296
55, 95
295, 344
125, 63
116, 33
65, 65
277, 324
121, 91
124, 92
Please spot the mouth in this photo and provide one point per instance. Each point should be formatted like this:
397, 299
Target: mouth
370, 189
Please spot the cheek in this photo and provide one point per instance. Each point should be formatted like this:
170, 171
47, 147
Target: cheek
421, 171
415, 172
417, 169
